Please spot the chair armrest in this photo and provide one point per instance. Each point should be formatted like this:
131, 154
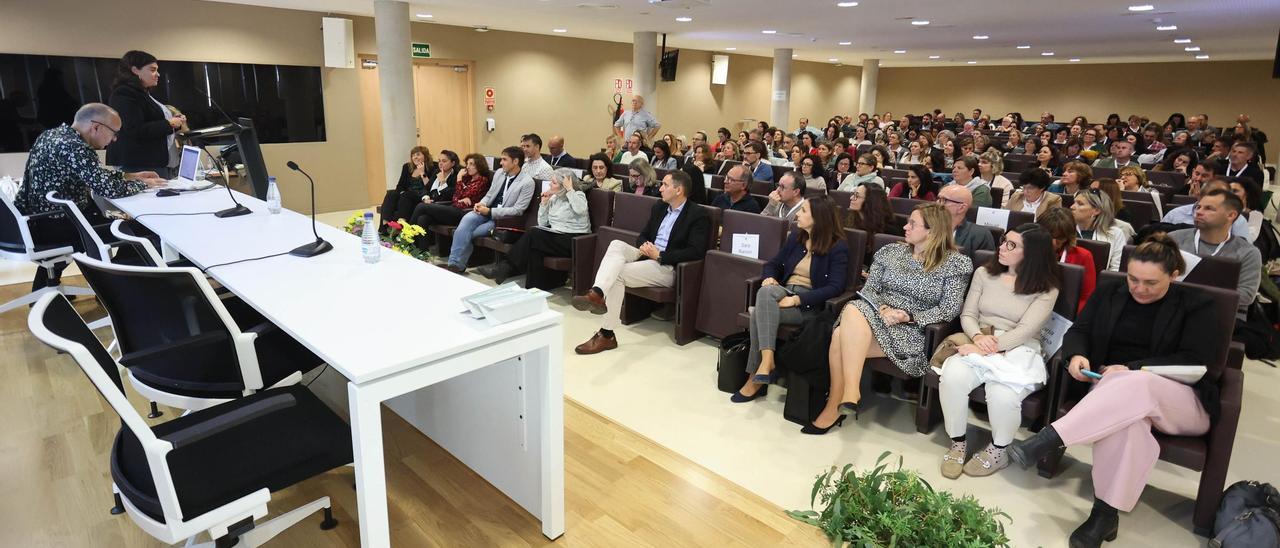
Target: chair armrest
582, 253
183, 346
263, 328
689, 272
836, 304
935, 333
231, 419
144, 245
753, 287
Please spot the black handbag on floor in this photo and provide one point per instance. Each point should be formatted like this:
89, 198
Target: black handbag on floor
731, 368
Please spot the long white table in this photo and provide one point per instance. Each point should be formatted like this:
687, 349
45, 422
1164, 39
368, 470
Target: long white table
491, 396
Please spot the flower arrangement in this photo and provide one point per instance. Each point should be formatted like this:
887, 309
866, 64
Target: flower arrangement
399, 237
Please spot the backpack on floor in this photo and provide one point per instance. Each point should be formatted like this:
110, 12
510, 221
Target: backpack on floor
1249, 517
1260, 339
731, 368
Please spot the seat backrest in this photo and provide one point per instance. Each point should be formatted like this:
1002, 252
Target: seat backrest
529, 218
1226, 302
599, 207
779, 170
631, 211
841, 198
772, 231
1016, 218
713, 232
1105, 173
891, 173
1101, 252
1223, 272
1141, 213
15, 236
761, 188
1180, 200
1136, 196
726, 165
1069, 293
904, 206
882, 239
1169, 182
90, 241
997, 196
621, 171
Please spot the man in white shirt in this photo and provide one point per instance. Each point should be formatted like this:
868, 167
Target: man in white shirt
785, 200
534, 166
633, 150
637, 120
1121, 156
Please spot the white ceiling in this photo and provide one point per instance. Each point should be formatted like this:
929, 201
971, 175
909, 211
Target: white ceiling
1093, 31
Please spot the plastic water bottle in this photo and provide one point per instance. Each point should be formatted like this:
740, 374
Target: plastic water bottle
370, 247
273, 196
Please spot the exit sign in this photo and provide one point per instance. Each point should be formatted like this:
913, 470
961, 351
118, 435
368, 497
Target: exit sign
421, 50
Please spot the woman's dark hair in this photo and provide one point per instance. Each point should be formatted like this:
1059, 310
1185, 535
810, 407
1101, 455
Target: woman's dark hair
1060, 225
826, 230
1034, 177
1113, 119
1169, 157
1178, 120
927, 184
482, 166
724, 131
1252, 192
608, 165
1055, 159
876, 213
970, 162
428, 163
806, 135
1160, 249
831, 133
452, 156
662, 145
133, 59
1039, 270
819, 170
843, 156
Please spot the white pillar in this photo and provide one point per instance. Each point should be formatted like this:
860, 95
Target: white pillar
780, 105
870, 79
644, 69
395, 83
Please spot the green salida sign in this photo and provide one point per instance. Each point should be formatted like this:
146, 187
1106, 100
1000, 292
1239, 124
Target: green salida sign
421, 50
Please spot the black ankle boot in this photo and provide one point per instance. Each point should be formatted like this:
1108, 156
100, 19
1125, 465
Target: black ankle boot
1027, 452
1102, 526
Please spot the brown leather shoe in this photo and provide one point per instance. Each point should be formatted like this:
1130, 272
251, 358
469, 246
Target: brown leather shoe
597, 344
455, 269
590, 302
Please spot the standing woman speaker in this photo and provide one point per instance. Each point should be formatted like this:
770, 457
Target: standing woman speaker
147, 127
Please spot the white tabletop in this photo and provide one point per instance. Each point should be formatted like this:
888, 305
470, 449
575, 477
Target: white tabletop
365, 320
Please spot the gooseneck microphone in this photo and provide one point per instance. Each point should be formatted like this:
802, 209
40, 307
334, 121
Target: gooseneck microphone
239, 209
319, 246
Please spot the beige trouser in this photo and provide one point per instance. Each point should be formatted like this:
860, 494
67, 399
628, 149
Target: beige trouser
621, 268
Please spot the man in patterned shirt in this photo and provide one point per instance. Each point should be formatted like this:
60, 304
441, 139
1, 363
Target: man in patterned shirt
63, 160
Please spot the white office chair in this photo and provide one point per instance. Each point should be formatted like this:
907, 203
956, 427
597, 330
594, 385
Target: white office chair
16, 245
211, 471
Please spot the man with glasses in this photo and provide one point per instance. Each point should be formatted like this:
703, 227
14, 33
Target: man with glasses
784, 201
63, 160
753, 155
735, 196
699, 138
970, 237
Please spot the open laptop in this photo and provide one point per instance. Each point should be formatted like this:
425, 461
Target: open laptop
187, 169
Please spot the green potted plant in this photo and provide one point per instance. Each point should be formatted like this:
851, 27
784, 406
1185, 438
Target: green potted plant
895, 507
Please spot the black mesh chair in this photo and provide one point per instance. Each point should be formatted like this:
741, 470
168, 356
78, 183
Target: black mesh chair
211, 471
186, 347
16, 245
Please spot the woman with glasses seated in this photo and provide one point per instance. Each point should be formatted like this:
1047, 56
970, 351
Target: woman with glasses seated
562, 216
843, 168
641, 179
865, 173
814, 174
1009, 301
911, 285
1095, 220
918, 186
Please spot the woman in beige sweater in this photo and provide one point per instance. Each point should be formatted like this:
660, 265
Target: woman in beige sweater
1009, 301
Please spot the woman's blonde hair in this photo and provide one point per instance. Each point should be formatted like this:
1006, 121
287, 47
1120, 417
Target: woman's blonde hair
1140, 174
940, 243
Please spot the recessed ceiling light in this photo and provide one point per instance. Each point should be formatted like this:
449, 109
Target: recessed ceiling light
1202, 57
833, 59
1047, 53
1024, 46
920, 22
935, 57
1167, 27
425, 16
731, 49
1073, 60
795, 55
1191, 48
1143, 7
561, 31
846, 43
972, 62
481, 28
683, 19
980, 37
847, 4
899, 51
1182, 40
769, 32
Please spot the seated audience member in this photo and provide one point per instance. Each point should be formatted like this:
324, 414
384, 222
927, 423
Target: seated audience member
472, 185
700, 156
915, 154
827, 154
398, 203
1201, 175
871, 212
1123, 217
1121, 155
1145, 321
641, 179
965, 173
1186, 214
1240, 161
611, 149
753, 155
729, 152
1132, 179
560, 158
1076, 176
1250, 195
1048, 159
677, 232
698, 192
913, 284
633, 152
1062, 228
662, 158
699, 138
672, 147
968, 236
990, 168
1095, 220
807, 143
722, 137
736, 195
1212, 237
598, 172
844, 168
865, 173
534, 166
1033, 196
786, 198
1073, 151
813, 173
1182, 161
508, 196
562, 216
1014, 144
63, 160
808, 270
1009, 301
882, 156
918, 186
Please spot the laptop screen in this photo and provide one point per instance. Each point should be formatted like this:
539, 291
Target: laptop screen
190, 163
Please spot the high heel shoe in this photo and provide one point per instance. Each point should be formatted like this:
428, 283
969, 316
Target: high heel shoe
769, 378
815, 431
848, 408
738, 396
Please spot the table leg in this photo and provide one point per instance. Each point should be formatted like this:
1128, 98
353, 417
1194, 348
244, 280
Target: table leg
550, 366
371, 475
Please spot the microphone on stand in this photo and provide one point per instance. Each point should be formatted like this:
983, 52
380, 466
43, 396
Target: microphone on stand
319, 246
239, 209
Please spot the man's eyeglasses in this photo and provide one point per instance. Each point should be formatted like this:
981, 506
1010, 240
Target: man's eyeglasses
945, 201
113, 131
863, 164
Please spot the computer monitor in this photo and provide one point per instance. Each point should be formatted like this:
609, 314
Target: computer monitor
190, 163
251, 157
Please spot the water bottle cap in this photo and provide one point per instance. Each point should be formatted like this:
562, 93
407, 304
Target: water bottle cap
368, 214
271, 179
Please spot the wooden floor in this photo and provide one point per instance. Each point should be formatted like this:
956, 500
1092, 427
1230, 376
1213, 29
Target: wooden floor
621, 489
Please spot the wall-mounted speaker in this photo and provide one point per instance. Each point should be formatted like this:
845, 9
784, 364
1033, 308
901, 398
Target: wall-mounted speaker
339, 43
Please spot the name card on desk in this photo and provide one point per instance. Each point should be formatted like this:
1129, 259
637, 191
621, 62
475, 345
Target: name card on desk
506, 303
747, 245
990, 216
1192, 260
